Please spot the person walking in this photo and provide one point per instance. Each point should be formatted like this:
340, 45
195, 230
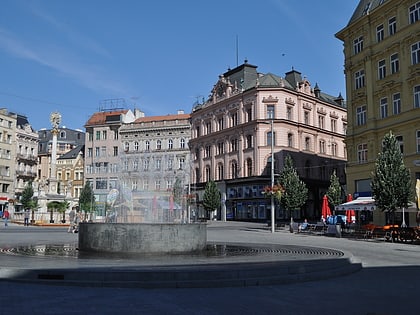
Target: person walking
26, 217
6, 216
72, 215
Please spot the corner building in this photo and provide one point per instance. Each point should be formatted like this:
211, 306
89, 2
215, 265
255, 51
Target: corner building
233, 129
382, 69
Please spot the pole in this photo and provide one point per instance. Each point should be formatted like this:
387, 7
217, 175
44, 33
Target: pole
273, 218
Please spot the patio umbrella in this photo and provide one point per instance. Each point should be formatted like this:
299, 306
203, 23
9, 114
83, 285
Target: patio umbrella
350, 213
325, 210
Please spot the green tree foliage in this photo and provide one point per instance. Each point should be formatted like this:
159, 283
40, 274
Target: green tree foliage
87, 199
334, 192
295, 191
27, 196
211, 198
391, 184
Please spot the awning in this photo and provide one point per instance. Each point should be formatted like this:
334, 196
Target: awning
359, 204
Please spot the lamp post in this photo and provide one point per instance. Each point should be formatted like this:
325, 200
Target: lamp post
273, 219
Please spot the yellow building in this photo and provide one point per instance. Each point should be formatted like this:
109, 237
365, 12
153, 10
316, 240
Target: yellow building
382, 69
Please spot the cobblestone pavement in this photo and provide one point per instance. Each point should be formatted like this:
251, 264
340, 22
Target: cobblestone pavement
387, 284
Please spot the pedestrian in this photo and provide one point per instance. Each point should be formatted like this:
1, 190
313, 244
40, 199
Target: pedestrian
72, 215
6, 216
77, 220
26, 217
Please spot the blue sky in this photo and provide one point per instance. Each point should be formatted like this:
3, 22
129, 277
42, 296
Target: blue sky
159, 56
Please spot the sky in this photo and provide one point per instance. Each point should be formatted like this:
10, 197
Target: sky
158, 56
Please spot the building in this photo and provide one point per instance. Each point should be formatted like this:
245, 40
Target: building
70, 170
26, 157
246, 112
103, 149
382, 69
155, 156
67, 140
7, 157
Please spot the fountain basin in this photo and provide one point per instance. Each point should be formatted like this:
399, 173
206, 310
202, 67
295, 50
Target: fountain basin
144, 238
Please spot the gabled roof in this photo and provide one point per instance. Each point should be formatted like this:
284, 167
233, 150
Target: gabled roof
101, 118
163, 118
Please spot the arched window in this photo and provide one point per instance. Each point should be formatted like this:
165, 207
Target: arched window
234, 170
126, 146
220, 171
147, 145
158, 145
208, 173
136, 146
290, 140
182, 143
170, 144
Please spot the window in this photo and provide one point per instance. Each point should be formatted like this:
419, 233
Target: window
220, 148
89, 153
220, 124
97, 151
249, 114
362, 153
358, 45
234, 119
98, 135
249, 141
159, 145
271, 138
380, 33
307, 143
126, 146
321, 121
170, 144
322, 146
334, 149
392, 26
170, 163
381, 69
270, 111
182, 143
383, 107
207, 151
249, 167
181, 163
157, 184
334, 125
289, 112
207, 173
396, 103
158, 164
135, 165
147, 145
234, 169
400, 143
395, 63
146, 164
359, 77
103, 134
220, 173
290, 140
306, 120
418, 140
414, 13
208, 128
417, 96
234, 145
136, 146
361, 115
103, 151
415, 53
115, 151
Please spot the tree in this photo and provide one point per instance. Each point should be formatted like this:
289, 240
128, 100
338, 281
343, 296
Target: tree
87, 199
51, 206
334, 191
177, 191
295, 191
391, 184
211, 198
28, 200
62, 207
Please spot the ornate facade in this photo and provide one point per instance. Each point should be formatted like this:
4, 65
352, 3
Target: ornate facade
246, 112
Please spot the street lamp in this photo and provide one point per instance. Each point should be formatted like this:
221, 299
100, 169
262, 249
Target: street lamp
273, 219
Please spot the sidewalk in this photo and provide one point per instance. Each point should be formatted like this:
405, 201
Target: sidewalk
386, 285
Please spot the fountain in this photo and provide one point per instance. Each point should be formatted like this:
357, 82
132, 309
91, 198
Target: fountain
150, 223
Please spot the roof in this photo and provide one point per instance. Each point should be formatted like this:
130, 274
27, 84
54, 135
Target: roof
72, 154
163, 118
101, 118
364, 8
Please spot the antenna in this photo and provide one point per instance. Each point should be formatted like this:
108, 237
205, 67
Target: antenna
237, 48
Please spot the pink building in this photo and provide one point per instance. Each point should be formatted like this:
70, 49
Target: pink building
232, 135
